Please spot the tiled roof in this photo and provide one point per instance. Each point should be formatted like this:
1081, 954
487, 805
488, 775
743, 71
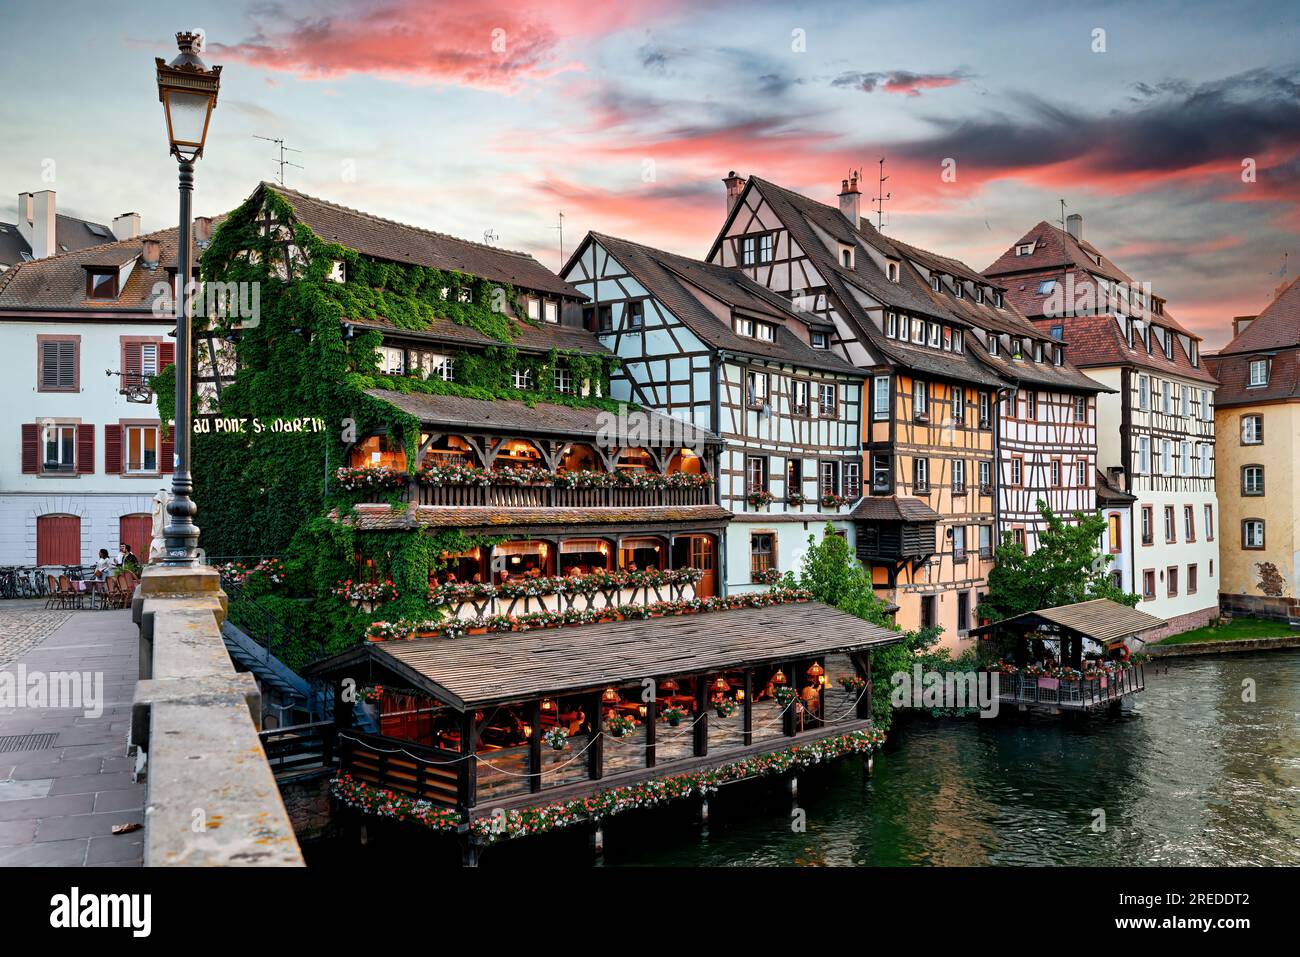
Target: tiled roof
398, 242
540, 337
59, 282
804, 217
370, 518
499, 415
1108, 494
891, 508
70, 235
1097, 342
1277, 327
673, 279
1233, 372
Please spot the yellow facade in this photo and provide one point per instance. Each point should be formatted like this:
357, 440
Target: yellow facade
941, 439
1250, 575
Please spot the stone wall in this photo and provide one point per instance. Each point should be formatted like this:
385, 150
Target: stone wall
1261, 606
1181, 623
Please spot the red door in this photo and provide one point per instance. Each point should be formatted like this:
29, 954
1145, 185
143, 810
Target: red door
136, 531
702, 558
58, 540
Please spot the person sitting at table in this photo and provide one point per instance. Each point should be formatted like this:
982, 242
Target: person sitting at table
503, 576
478, 578
450, 579
103, 564
575, 571
631, 566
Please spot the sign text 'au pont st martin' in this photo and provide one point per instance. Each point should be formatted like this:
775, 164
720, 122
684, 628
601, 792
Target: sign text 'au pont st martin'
252, 425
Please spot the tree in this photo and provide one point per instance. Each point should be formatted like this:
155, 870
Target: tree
1068, 566
835, 576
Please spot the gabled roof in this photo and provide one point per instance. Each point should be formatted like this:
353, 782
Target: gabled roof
674, 281
1109, 495
59, 282
70, 235
805, 218
398, 242
1233, 373
1096, 342
1277, 327
1101, 619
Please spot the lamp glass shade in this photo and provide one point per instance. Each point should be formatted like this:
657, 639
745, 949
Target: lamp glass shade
187, 118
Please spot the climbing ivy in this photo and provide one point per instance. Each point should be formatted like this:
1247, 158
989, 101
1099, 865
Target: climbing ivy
268, 492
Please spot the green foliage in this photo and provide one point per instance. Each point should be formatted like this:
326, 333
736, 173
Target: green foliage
835, 576
1067, 566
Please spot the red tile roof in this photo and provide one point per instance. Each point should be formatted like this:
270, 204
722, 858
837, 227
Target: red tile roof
1277, 327
1234, 375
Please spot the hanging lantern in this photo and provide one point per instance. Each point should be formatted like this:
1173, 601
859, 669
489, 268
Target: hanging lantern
779, 677
548, 704
610, 695
670, 685
721, 686
815, 670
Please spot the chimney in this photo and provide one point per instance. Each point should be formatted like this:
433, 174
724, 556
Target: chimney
202, 231
851, 200
126, 226
36, 222
735, 186
1117, 477
151, 253
1074, 226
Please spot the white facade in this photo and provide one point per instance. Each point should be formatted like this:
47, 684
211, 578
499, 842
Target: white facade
84, 489
1166, 447
791, 432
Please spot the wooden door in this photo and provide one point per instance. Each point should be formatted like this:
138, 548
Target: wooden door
58, 540
702, 557
137, 531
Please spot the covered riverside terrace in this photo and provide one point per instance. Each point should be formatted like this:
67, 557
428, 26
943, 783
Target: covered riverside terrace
513, 719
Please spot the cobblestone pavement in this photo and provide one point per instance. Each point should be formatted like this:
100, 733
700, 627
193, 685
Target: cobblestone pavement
61, 799
24, 624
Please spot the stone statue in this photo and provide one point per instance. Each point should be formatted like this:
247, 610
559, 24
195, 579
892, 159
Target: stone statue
158, 546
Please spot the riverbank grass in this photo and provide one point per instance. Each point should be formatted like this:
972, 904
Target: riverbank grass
1239, 629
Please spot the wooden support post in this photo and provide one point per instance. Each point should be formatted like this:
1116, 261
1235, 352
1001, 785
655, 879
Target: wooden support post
788, 715
747, 709
596, 752
468, 778
535, 747
701, 715
651, 725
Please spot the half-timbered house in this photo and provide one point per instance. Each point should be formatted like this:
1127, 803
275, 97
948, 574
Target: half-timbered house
711, 346
1155, 429
928, 418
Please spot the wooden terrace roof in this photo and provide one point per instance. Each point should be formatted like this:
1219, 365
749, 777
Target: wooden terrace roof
1101, 619
482, 670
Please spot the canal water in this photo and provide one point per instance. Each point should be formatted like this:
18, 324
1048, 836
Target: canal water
1195, 775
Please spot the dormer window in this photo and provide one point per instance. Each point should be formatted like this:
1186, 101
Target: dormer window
958, 340
523, 379
534, 308
338, 271
846, 257
997, 299
918, 331
101, 284
1193, 352
1046, 286
765, 331
979, 295
993, 346
1258, 373
1024, 249
891, 325
892, 271
820, 340
936, 335
1058, 356
551, 311
934, 281
958, 289
1015, 349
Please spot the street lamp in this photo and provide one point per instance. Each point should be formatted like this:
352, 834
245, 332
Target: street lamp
187, 90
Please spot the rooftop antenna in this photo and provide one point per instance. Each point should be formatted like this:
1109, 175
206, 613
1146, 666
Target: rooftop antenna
560, 227
1063, 204
881, 197
490, 236
281, 162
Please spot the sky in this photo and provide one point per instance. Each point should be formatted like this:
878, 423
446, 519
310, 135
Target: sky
1172, 128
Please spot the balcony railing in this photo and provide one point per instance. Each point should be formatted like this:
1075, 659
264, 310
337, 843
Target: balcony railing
1085, 694
543, 496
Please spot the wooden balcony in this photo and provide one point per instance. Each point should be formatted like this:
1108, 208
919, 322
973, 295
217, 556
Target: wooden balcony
544, 496
1085, 695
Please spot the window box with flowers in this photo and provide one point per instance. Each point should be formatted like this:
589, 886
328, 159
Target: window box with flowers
797, 499
835, 500
758, 498
768, 576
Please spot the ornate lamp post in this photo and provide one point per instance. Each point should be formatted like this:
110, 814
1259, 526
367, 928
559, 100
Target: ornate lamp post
187, 90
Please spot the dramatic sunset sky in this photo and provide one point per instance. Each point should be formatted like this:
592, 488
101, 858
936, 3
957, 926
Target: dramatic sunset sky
475, 116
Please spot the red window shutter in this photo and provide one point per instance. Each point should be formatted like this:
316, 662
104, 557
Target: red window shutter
166, 354
113, 449
132, 364
85, 449
31, 448
167, 452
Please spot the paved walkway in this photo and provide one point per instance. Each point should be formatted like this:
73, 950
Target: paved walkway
59, 802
